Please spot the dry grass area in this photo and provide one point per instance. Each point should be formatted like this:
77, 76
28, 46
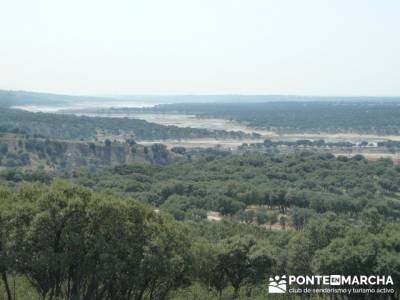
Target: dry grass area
214, 216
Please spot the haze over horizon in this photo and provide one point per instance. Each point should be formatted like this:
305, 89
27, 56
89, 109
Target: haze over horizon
270, 97
177, 47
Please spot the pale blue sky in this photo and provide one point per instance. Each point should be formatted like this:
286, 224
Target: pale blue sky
308, 47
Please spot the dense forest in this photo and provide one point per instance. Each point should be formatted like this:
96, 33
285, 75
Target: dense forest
88, 213
379, 117
110, 235
293, 186
59, 126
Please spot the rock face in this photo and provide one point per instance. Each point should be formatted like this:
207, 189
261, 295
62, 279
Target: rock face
20, 151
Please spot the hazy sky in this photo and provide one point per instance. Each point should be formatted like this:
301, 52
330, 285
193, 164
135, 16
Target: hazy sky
313, 47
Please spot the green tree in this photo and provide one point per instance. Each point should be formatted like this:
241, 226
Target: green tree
272, 218
282, 221
261, 217
372, 219
6, 254
207, 267
244, 262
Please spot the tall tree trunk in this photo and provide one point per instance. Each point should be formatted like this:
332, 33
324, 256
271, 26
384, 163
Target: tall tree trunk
235, 292
5, 280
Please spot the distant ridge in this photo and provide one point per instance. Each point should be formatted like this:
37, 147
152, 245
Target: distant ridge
13, 98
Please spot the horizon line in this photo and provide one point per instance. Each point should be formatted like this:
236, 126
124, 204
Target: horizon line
110, 95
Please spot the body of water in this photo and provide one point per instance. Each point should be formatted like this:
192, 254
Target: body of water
185, 120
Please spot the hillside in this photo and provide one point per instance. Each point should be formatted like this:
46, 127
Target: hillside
11, 98
18, 150
57, 126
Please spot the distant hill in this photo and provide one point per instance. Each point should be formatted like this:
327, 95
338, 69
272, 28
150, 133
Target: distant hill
13, 98
165, 99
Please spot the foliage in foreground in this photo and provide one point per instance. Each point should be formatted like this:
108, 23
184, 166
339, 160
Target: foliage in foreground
72, 244
66, 242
